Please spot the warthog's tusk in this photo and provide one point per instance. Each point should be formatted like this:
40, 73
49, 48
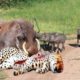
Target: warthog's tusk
38, 44
24, 48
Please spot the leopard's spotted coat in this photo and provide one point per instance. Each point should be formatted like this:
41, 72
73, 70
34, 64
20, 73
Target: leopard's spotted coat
16, 59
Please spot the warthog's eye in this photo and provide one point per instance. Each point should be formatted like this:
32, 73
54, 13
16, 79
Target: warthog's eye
25, 39
22, 38
34, 38
19, 38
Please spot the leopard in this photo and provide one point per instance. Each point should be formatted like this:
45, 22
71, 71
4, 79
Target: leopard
40, 63
21, 63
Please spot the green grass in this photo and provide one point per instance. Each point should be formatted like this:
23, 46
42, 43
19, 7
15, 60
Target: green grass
51, 15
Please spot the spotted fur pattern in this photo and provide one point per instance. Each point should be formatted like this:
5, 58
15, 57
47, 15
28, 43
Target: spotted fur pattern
16, 59
5, 53
37, 62
9, 55
41, 64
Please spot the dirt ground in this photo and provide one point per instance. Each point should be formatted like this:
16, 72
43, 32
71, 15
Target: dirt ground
71, 58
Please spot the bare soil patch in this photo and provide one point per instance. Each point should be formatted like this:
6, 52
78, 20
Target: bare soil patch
71, 58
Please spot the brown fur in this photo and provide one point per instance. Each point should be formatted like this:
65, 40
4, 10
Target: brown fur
22, 31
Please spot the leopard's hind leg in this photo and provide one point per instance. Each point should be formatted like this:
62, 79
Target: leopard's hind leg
44, 68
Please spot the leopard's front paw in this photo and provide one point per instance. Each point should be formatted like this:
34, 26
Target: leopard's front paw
44, 70
38, 70
16, 73
41, 71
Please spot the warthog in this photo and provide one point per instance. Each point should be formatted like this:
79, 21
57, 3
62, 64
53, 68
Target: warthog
58, 38
53, 38
18, 32
78, 35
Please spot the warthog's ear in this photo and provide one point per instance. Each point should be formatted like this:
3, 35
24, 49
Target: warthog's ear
18, 26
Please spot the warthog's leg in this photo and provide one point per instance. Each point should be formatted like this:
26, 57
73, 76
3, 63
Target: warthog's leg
58, 45
78, 37
63, 47
53, 46
77, 41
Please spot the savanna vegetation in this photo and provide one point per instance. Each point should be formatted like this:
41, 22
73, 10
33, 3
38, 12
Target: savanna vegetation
51, 15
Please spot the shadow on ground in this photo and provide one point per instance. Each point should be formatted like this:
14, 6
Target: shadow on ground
74, 45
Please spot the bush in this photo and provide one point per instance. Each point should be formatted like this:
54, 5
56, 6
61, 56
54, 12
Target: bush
9, 3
